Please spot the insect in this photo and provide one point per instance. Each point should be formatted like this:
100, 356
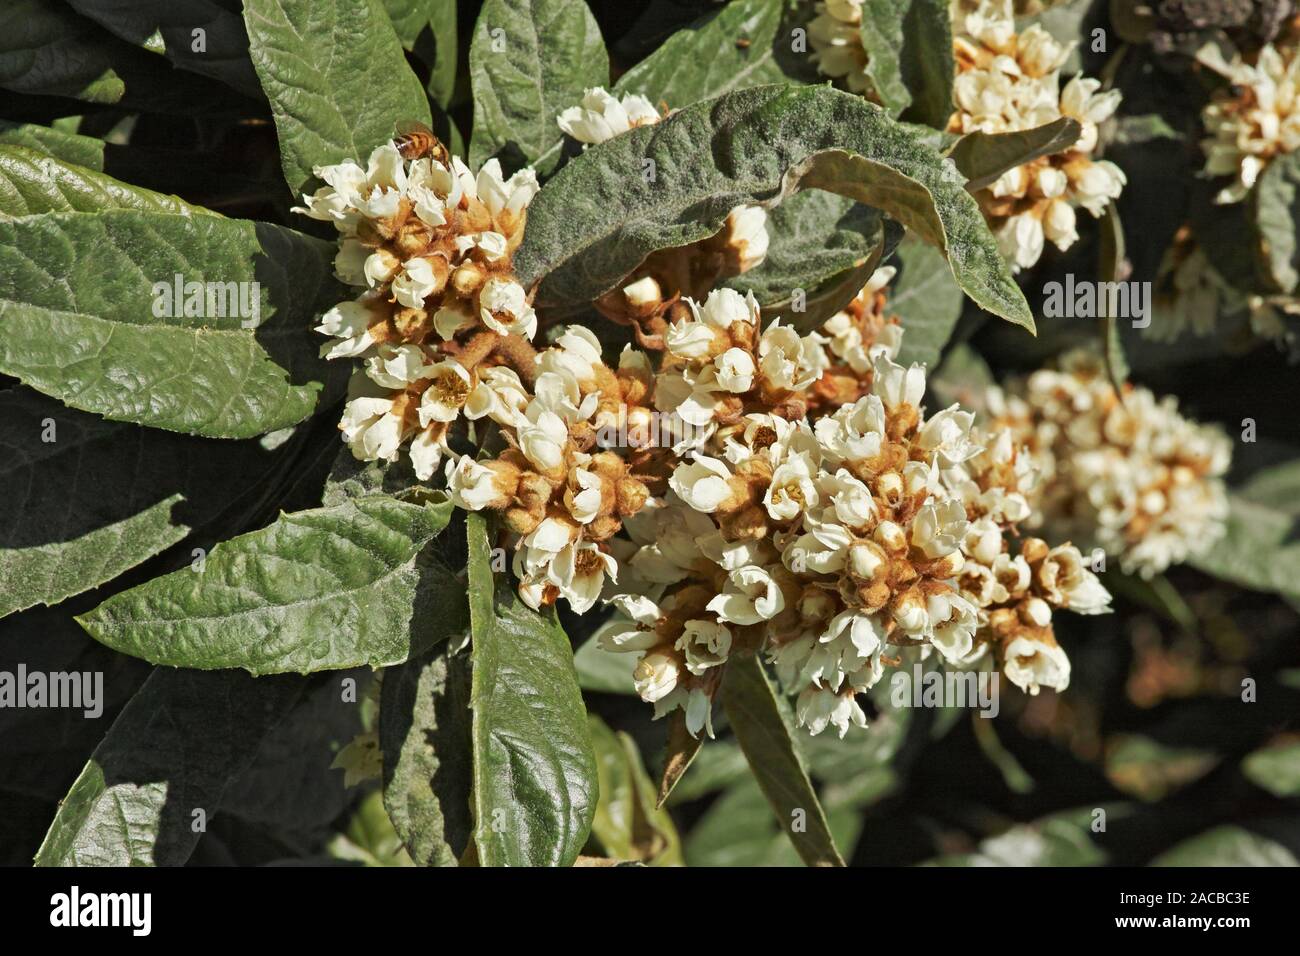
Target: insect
742, 43
415, 140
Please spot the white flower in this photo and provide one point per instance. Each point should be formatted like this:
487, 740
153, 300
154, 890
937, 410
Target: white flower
495, 192
350, 262
948, 434
583, 495
735, 370
724, 307
472, 485
818, 708
705, 644
493, 245
1020, 239
398, 366
939, 527
426, 451
448, 389
750, 595
788, 360
415, 283
792, 488
656, 675
371, 429
499, 395
747, 238
897, 386
602, 116
504, 308
576, 353
953, 621
349, 323
689, 339
1030, 664
702, 483
380, 266
579, 572
543, 436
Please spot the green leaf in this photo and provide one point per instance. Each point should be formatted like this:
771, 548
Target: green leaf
69, 147
77, 319
336, 77
1143, 767
983, 157
925, 297
370, 838
680, 752
707, 58
763, 725
1276, 207
528, 61
817, 239
1275, 769
535, 785
1114, 267
738, 830
32, 183
316, 590
290, 784
603, 671
1227, 846
424, 733
1261, 549
99, 497
173, 750
46, 48
605, 212
627, 824
428, 29
1062, 839
715, 767
167, 27
910, 58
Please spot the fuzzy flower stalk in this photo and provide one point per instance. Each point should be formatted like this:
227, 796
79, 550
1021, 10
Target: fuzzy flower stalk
1124, 473
717, 498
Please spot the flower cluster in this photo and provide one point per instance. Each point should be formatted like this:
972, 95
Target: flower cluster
690, 270
1255, 118
1009, 81
1125, 473
430, 244
829, 537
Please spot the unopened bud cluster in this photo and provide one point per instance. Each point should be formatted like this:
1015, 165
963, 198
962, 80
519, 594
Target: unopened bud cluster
1125, 473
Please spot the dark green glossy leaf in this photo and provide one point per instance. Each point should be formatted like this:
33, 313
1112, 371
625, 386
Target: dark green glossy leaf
535, 785
764, 726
